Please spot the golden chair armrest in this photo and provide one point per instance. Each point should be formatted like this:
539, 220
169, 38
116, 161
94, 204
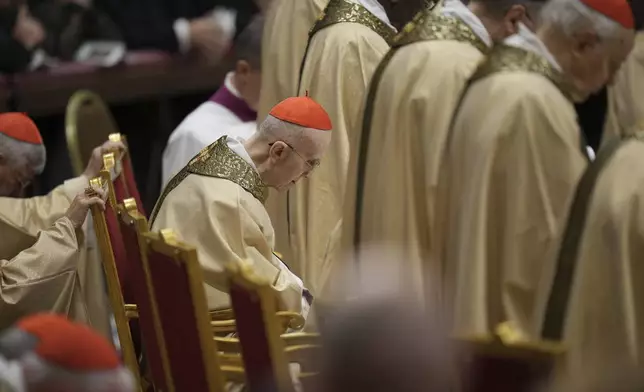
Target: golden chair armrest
234, 374
221, 314
230, 359
291, 320
301, 338
307, 355
131, 311
228, 345
227, 326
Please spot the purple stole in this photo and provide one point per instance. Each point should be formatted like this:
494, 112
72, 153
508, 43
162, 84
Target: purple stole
227, 99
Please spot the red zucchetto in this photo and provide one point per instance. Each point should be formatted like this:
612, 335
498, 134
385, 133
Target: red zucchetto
20, 127
69, 345
618, 10
302, 111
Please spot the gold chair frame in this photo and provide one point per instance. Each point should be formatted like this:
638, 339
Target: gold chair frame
129, 213
165, 242
243, 276
119, 308
72, 131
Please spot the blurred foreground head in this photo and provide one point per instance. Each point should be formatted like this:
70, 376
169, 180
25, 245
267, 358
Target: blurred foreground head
385, 345
381, 337
57, 355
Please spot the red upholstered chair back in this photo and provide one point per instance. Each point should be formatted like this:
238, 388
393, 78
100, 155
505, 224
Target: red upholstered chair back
133, 226
110, 245
254, 303
176, 282
125, 186
502, 364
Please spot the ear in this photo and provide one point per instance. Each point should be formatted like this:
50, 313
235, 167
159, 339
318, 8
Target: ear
516, 14
278, 151
242, 67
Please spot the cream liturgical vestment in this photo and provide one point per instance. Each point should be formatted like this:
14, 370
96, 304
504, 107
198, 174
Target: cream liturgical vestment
345, 47
515, 157
394, 174
216, 204
72, 283
286, 33
593, 296
626, 95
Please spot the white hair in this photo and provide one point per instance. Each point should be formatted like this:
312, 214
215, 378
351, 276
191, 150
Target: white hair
572, 16
20, 154
41, 375
272, 129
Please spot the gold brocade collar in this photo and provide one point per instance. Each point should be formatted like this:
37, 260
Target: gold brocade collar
430, 26
505, 58
342, 11
219, 161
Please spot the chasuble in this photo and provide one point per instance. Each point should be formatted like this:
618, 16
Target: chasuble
286, 33
592, 295
20, 222
216, 204
626, 96
345, 47
513, 162
43, 276
394, 174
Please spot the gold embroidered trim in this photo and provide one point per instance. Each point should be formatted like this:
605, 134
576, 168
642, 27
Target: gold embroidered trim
341, 11
429, 26
504, 58
219, 161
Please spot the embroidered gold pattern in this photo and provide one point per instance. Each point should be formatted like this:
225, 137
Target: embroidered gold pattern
429, 26
341, 11
219, 161
504, 58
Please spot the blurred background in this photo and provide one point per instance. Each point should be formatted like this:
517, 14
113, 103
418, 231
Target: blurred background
151, 61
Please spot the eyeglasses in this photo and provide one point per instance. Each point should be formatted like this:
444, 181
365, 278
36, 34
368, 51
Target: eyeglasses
312, 163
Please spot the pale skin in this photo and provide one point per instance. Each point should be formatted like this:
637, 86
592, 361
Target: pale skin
77, 211
282, 159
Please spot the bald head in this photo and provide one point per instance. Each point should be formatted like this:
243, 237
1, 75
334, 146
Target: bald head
290, 142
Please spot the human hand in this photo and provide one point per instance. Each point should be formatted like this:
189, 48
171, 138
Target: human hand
208, 38
77, 211
95, 163
27, 30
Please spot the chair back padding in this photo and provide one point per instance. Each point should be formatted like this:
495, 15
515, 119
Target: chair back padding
133, 226
88, 124
110, 244
255, 306
125, 185
180, 301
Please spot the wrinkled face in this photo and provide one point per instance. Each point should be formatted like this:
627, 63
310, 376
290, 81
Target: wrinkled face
595, 62
288, 163
248, 80
13, 181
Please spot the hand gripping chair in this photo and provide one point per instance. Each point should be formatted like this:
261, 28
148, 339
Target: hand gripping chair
88, 124
176, 283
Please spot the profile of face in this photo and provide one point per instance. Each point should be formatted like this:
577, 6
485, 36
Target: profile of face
248, 80
13, 180
594, 62
287, 164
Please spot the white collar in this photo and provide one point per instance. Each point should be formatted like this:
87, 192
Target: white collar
376, 9
228, 82
237, 145
456, 9
11, 374
528, 40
